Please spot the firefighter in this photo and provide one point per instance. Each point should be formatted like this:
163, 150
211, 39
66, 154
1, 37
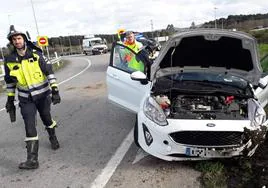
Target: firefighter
136, 46
30, 72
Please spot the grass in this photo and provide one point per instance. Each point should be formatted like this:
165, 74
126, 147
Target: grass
226, 173
61, 64
264, 63
263, 48
213, 174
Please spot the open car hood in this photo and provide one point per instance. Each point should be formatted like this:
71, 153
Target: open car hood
209, 50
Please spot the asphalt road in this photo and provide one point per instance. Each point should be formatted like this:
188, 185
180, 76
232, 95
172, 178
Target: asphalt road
97, 148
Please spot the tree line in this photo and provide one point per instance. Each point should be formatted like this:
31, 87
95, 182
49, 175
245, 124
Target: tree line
240, 22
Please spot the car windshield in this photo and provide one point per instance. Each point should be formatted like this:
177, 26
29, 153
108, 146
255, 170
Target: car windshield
96, 42
210, 78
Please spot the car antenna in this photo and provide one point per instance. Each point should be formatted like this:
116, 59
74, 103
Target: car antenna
171, 64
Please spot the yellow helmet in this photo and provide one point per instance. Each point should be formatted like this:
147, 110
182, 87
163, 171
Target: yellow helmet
121, 34
121, 31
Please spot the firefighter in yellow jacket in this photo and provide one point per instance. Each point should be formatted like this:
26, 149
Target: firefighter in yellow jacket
136, 46
28, 71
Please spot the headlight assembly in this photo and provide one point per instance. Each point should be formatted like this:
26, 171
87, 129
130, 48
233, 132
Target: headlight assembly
153, 111
256, 113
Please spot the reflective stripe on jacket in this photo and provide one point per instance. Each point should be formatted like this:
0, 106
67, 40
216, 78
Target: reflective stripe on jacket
32, 75
133, 63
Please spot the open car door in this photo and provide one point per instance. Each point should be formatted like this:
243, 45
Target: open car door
122, 90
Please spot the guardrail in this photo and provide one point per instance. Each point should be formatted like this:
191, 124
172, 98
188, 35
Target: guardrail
53, 61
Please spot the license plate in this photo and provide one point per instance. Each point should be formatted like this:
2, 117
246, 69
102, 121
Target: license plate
198, 152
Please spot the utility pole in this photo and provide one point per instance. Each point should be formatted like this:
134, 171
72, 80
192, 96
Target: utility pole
215, 8
35, 18
9, 22
152, 28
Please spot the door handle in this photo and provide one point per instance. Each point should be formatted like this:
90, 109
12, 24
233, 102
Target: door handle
114, 76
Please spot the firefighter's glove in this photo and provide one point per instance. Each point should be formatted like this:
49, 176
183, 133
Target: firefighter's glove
55, 95
10, 104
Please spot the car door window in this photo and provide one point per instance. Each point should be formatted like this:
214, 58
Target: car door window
126, 60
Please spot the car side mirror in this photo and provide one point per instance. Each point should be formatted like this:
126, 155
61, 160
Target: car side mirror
263, 82
139, 76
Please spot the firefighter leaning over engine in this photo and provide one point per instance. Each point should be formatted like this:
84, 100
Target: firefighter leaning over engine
28, 71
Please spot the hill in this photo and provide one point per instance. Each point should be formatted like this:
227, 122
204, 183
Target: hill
240, 22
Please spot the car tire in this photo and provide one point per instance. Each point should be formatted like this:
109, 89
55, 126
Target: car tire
136, 133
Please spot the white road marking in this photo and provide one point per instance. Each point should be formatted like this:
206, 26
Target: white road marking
116, 159
111, 166
89, 64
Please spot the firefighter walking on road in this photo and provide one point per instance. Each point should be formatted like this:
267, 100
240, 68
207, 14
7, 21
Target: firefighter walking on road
28, 71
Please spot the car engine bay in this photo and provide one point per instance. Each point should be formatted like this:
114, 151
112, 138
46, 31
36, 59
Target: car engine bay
181, 106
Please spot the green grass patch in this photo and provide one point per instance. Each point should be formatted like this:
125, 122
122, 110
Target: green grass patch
212, 174
264, 63
60, 65
263, 48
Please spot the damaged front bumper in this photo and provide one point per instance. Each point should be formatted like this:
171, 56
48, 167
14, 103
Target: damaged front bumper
160, 144
256, 137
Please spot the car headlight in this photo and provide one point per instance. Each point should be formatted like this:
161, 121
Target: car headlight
153, 111
256, 113
260, 116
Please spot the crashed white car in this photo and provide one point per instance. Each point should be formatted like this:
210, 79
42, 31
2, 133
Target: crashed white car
203, 97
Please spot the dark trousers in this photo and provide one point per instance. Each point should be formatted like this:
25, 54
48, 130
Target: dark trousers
28, 112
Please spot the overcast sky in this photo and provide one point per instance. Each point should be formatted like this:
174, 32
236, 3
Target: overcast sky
83, 17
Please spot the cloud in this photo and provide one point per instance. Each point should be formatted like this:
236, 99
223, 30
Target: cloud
61, 17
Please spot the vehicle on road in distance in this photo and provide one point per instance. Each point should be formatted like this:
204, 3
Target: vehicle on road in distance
94, 46
203, 97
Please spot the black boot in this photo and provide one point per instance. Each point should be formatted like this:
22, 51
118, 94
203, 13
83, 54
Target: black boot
53, 138
32, 155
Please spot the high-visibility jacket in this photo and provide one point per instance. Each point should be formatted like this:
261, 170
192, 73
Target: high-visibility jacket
31, 74
133, 63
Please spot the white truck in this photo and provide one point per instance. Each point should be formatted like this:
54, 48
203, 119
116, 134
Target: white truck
94, 46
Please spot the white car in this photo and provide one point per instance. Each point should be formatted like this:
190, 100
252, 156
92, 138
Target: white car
94, 46
203, 97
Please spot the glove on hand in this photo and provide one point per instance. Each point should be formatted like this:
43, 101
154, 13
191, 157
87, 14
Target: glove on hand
55, 95
10, 104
